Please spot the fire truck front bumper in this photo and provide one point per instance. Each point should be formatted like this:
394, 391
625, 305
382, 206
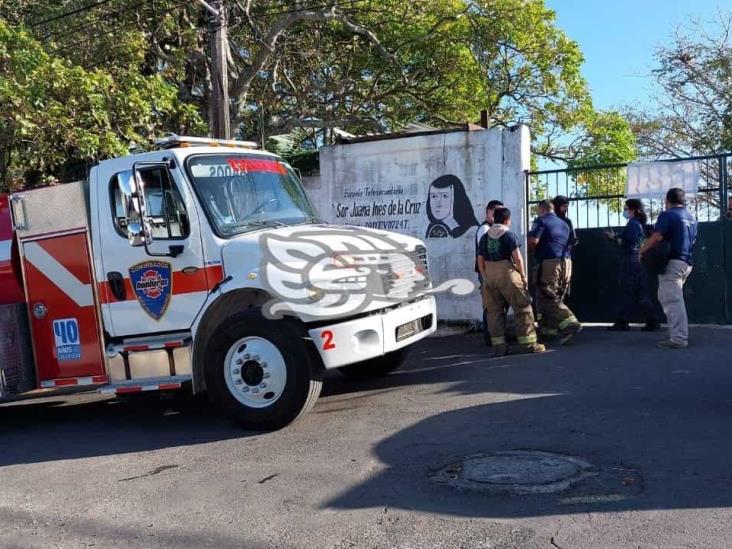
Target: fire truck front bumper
351, 341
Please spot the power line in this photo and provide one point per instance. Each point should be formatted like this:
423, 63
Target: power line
184, 2
69, 13
116, 29
49, 37
261, 15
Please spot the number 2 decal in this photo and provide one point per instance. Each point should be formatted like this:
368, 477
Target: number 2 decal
327, 337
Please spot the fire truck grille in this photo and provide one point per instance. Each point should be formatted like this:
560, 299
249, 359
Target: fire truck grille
413, 327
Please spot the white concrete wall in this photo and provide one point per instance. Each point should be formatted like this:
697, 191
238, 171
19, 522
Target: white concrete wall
385, 184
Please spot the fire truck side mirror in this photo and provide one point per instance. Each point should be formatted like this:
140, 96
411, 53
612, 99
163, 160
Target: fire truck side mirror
134, 207
135, 234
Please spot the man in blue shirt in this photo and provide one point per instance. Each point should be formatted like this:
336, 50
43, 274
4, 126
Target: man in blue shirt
504, 277
551, 240
677, 227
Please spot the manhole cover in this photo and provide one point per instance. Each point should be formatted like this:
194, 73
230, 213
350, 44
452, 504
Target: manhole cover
518, 471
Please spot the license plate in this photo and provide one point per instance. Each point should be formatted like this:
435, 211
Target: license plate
413, 327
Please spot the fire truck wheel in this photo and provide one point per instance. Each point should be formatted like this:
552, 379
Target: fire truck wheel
376, 367
260, 371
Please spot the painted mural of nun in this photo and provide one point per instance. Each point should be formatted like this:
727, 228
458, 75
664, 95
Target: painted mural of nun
448, 208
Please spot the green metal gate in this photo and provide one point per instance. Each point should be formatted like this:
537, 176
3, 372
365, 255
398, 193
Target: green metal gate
596, 195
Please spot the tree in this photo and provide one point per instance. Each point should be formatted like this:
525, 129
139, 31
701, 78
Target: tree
353, 64
693, 103
606, 139
358, 65
694, 98
436, 61
54, 114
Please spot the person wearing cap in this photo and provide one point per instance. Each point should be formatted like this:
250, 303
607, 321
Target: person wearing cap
479, 234
678, 228
551, 241
504, 277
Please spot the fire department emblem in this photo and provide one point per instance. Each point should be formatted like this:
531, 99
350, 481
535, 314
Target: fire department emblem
153, 284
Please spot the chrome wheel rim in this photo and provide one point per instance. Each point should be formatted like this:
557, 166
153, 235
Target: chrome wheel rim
255, 372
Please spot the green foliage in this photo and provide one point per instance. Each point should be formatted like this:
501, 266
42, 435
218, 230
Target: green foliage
608, 139
308, 162
54, 114
450, 59
358, 66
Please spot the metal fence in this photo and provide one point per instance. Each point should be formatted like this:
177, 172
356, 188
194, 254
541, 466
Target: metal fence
597, 193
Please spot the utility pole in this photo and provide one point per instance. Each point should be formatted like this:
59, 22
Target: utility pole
219, 47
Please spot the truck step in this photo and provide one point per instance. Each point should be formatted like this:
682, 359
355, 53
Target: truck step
142, 345
140, 385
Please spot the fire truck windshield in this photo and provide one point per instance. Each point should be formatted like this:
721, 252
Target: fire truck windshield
243, 193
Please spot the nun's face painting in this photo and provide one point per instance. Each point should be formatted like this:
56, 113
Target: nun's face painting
441, 202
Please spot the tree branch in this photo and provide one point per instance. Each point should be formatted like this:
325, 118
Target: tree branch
243, 83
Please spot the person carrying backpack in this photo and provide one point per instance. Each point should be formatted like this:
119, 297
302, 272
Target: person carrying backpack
504, 276
678, 228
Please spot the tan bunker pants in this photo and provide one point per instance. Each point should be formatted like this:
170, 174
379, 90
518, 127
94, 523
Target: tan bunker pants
503, 287
552, 284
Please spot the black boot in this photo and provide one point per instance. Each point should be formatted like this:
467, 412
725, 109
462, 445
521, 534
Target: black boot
620, 326
652, 325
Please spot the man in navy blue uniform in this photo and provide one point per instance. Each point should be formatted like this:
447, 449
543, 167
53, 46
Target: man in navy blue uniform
551, 240
678, 227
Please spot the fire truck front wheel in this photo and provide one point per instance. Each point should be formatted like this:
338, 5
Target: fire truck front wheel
260, 371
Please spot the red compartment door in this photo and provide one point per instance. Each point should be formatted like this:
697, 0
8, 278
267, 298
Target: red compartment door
64, 323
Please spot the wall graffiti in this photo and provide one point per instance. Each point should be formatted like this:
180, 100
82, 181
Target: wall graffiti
448, 208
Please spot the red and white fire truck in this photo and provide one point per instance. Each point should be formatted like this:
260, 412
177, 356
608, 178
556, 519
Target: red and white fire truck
202, 265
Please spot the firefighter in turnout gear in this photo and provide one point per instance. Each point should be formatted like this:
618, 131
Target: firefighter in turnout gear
551, 240
504, 277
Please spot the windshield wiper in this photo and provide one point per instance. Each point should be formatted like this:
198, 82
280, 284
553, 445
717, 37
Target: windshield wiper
266, 222
256, 223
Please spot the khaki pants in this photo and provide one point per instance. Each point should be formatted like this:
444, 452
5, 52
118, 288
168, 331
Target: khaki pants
552, 283
503, 287
671, 296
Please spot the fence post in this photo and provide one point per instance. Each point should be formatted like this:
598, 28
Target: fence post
528, 201
723, 196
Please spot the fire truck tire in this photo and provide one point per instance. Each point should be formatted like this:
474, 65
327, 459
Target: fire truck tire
261, 372
376, 367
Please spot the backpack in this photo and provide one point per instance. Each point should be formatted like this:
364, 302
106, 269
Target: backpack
656, 259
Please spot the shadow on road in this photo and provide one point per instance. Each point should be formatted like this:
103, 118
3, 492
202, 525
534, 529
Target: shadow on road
83, 426
655, 424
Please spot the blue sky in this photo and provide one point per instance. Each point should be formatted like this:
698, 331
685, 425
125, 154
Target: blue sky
618, 38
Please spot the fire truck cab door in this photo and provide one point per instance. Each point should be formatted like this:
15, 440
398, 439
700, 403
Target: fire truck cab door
161, 289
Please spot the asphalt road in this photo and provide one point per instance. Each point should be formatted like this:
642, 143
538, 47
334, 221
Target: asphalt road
359, 471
